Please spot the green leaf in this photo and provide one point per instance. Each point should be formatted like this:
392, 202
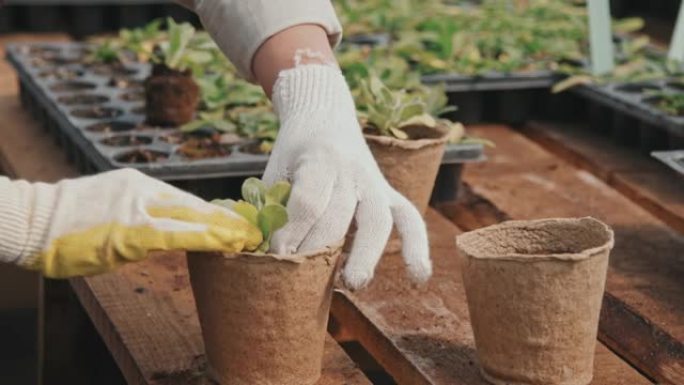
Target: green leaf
254, 191
247, 211
192, 125
278, 193
408, 111
420, 120
570, 82
398, 133
271, 218
224, 125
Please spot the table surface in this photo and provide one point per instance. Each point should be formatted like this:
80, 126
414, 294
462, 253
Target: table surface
418, 334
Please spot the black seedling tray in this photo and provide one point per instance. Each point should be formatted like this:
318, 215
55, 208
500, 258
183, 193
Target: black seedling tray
627, 113
53, 82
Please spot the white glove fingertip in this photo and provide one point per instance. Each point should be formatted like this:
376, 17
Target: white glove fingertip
355, 278
421, 270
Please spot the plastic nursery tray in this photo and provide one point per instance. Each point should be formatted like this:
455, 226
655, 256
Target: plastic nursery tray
97, 114
627, 112
674, 159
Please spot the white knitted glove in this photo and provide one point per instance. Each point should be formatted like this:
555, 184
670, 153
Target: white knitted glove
93, 224
321, 150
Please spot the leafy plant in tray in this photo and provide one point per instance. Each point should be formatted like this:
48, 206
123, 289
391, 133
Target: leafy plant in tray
171, 94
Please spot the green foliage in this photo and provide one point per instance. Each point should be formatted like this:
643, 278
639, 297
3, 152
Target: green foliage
212, 120
184, 49
672, 103
223, 90
262, 206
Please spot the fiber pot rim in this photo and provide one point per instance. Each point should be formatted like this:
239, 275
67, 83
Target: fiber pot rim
465, 246
252, 257
411, 144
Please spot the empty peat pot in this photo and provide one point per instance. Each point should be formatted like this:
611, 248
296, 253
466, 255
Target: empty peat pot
263, 316
410, 166
534, 292
171, 97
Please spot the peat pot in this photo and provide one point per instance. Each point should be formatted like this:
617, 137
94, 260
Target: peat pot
410, 166
534, 292
263, 316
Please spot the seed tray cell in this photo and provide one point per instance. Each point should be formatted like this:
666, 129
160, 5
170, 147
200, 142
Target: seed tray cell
97, 114
630, 105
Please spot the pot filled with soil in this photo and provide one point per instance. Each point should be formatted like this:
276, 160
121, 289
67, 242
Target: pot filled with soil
171, 96
534, 291
264, 316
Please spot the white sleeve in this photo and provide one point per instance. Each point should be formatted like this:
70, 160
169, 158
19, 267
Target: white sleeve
239, 27
24, 218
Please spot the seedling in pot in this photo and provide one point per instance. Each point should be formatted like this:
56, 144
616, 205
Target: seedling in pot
262, 206
390, 113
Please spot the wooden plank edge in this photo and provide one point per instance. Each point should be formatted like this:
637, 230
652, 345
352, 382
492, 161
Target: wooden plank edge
535, 132
653, 352
107, 330
378, 344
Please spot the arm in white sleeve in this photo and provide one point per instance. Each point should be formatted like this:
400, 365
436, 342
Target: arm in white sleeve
25, 211
240, 27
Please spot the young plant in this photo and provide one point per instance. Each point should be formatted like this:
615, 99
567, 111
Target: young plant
184, 49
222, 90
262, 206
669, 102
210, 120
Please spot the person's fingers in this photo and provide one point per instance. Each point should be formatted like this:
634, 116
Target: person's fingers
374, 224
311, 191
415, 246
334, 223
273, 173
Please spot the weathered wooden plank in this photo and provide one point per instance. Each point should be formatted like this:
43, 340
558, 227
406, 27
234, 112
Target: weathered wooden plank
644, 180
647, 264
422, 334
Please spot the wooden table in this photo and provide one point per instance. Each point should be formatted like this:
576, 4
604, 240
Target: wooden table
145, 312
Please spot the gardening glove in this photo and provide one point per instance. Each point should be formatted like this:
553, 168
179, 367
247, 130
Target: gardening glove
320, 149
93, 224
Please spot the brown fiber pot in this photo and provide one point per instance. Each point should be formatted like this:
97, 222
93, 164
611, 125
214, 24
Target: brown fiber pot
264, 317
534, 292
171, 97
410, 166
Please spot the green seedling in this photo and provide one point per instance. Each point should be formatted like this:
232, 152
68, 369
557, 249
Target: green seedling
184, 49
669, 102
212, 120
262, 206
223, 90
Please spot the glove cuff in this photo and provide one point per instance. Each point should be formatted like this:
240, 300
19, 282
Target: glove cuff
309, 88
25, 214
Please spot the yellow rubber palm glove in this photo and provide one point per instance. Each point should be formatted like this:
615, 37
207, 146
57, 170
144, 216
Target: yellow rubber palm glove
91, 225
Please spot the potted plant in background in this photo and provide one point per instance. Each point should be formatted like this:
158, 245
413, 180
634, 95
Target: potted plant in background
171, 93
264, 317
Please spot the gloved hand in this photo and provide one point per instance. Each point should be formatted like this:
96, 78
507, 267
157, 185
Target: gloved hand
93, 224
320, 149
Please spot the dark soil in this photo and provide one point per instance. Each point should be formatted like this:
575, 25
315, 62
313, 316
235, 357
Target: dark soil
73, 85
124, 82
54, 61
112, 126
112, 69
140, 110
171, 97
637, 88
61, 73
133, 96
142, 156
126, 140
199, 146
96, 112
677, 85
415, 132
82, 99
252, 148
